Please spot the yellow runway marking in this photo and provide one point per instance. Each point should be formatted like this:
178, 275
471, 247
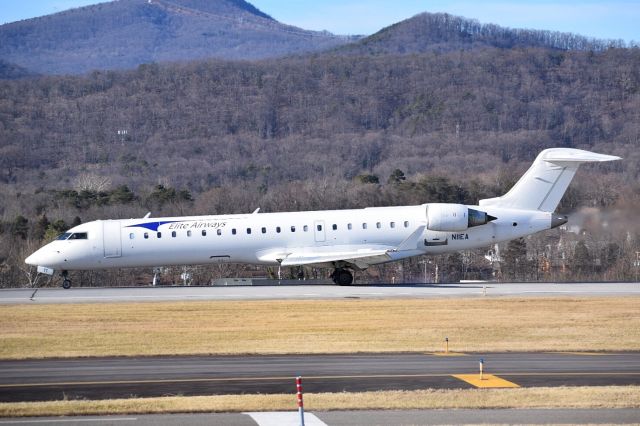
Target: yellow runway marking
488, 381
446, 353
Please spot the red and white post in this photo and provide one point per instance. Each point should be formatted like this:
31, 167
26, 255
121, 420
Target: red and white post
300, 402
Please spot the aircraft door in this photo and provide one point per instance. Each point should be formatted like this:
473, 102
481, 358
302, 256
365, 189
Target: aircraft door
318, 228
112, 238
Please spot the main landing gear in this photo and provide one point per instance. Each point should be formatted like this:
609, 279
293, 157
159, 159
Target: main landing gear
66, 282
342, 276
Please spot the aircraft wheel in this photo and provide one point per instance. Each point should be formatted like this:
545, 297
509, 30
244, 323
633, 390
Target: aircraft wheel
342, 277
66, 284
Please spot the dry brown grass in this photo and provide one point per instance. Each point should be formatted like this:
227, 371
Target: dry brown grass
320, 326
578, 397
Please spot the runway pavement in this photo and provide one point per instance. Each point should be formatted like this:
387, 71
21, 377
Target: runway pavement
356, 418
138, 294
100, 378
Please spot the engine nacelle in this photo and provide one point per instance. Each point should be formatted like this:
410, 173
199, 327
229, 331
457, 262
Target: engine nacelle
454, 217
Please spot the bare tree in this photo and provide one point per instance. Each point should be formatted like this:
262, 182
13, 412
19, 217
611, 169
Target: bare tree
91, 182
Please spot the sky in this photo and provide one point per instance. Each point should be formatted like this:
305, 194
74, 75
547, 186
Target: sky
614, 19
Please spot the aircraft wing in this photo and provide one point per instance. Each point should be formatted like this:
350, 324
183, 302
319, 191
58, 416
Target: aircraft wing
362, 258
359, 256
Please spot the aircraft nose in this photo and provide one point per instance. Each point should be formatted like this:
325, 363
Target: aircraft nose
38, 258
32, 260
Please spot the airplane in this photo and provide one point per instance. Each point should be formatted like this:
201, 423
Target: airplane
344, 240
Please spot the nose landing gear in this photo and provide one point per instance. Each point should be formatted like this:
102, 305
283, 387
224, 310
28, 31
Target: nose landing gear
66, 282
342, 276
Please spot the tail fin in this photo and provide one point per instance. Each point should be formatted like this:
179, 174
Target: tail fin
544, 184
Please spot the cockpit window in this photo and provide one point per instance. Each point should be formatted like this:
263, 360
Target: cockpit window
64, 236
78, 236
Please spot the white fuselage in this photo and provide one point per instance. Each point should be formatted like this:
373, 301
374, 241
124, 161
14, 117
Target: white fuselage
271, 238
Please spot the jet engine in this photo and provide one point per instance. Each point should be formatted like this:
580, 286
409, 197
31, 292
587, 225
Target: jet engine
454, 217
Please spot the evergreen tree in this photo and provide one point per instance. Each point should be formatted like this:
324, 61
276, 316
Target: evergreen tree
368, 179
610, 255
20, 227
452, 268
122, 195
397, 176
515, 264
581, 263
40, 227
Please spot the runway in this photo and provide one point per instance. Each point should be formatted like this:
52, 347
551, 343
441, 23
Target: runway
101, 378
358, 418
141, 294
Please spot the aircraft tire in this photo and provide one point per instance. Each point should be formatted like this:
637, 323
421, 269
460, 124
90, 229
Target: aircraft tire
66, 284
343, 277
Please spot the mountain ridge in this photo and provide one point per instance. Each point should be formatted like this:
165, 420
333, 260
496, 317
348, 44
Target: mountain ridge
9, 71
123, 34
126, 33
444, 32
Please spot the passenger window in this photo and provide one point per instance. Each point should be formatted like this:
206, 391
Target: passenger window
364, 226
378, 225
278, 229
173, 234
248, 230
264, 230
334, 227
204, 232
233, 231
305, 228
132, 236
392, 225
406, 223
293, 229
188, 233
219, 232
159, 234
146, 235
319, 227
349, 226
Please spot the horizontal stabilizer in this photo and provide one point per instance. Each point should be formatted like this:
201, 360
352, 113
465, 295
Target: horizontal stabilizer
566, 155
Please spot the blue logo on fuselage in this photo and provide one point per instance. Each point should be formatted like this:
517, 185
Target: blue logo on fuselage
153, 226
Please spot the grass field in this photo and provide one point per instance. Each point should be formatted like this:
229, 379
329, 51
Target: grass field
578, 397
320, 326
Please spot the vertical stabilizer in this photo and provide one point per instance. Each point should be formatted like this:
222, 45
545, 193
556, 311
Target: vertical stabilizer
544, 184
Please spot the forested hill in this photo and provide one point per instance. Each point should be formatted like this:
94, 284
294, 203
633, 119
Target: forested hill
443, 32
208, 123
126, 33
9, 71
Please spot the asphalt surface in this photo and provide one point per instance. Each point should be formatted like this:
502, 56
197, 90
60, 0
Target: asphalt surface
138, 294
102, 378
94, 378
359, 418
